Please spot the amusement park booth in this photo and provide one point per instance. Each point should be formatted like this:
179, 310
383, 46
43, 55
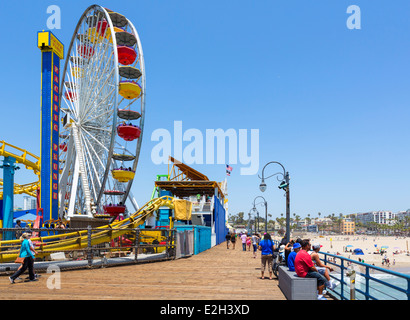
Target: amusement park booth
207, 197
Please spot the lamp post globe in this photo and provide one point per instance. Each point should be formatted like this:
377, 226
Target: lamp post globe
262, 186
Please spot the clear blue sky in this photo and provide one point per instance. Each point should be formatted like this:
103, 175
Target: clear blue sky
331, 104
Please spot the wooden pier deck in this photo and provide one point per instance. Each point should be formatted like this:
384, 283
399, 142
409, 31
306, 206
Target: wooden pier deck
215, 274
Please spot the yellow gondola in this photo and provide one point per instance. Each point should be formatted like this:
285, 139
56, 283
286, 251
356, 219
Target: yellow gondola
108, 33
93, 35
77, 72
122, 175
129, 89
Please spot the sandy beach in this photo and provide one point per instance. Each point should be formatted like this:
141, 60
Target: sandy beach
397, 251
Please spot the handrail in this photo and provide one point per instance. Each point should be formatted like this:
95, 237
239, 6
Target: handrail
369, 290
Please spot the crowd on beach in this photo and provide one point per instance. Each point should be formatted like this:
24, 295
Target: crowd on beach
381, 251
298, 255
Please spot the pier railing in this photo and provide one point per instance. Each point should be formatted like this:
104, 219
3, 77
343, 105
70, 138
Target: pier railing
362, 281
134, 246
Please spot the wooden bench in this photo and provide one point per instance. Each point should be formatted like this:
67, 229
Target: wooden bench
296, 288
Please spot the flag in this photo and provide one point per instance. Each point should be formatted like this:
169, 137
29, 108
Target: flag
228, 170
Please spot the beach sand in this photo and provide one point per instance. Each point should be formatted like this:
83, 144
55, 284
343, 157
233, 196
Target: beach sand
335, 244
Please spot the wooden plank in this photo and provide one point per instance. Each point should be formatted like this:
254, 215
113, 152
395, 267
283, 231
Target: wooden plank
217, 273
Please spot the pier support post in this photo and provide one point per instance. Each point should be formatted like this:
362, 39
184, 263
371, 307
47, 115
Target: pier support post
136, 244
89, 248
9, 168
352, 275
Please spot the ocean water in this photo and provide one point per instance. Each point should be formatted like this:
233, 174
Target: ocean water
380, 291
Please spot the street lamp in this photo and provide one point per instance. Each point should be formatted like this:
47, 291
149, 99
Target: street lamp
266, 210
249, 221
283, 185
257, 216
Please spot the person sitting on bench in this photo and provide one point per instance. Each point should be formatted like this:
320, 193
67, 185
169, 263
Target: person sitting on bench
305, 268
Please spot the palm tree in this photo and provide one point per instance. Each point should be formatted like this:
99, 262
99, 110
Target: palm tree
308, 219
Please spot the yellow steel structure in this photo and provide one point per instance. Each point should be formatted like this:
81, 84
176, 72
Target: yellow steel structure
79, 240
28, 188
29, 160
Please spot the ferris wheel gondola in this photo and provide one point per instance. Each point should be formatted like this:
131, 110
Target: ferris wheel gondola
102, 109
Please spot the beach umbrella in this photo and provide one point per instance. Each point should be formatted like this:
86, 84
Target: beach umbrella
358, 251
385, 247
349, 245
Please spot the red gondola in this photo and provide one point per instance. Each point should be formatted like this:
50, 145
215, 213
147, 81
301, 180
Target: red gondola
63, 147
126, 55
114, 210
101, 27
128, 132
85, 51
114, 192
70, 95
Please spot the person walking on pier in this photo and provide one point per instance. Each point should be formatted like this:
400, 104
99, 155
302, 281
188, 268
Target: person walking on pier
228, 240
255, 240
267, 247
233, 240
27, 254
243, 238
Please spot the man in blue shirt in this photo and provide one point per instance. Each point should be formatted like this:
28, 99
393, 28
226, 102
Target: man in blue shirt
292, 255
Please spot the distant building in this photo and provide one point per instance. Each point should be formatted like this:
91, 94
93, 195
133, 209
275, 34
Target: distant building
381, 217
402, 214
348, 227
312, 228
29, 203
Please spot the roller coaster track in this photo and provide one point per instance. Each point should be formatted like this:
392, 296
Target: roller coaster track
79, 240
29, 160
28, 188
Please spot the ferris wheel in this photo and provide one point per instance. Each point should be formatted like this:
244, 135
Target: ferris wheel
102, 109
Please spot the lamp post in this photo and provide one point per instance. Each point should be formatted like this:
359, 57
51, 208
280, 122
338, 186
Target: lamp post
249, 221
257, 216
266, 211
283, 185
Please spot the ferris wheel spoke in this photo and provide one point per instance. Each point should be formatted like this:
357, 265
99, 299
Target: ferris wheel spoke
102, 114
70, 104
94, 179
96, 128
90, 104
94, 104
100, 58
96, 140
98, 158
99, 70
